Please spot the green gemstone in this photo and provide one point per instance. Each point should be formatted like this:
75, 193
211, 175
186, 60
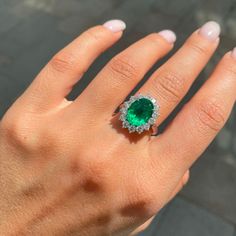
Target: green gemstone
139, 112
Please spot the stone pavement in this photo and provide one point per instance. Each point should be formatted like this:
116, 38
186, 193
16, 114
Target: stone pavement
31, 31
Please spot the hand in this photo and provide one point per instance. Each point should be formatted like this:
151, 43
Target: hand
69, 168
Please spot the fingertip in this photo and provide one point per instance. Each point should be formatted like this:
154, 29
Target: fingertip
228, 61
168, 35
233, 53
210, 30
115, 25
197, 39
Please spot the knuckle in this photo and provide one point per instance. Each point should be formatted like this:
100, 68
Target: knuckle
229, 67
96, 173
86, 180
22, 132
95, 168
170, 86
14, 130
139, 200
145, 194
211, 115
199, 48
141, 197
231, 70
94, 35
62, 62
122, 67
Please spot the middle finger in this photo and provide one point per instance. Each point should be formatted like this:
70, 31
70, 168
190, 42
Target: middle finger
118, 78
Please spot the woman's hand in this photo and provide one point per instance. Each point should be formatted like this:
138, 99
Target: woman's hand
69, 168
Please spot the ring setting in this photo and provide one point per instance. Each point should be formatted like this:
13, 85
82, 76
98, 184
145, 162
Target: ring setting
139, 113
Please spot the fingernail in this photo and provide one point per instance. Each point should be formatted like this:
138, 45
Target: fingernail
210, 30
168, 35
234, 53
115, 25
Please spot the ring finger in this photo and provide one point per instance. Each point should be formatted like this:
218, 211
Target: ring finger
170, 83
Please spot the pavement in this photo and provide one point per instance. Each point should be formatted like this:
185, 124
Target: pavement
31, 31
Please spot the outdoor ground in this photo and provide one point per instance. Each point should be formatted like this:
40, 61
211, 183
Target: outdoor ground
31, 31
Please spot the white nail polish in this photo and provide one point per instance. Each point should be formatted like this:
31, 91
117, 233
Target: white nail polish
115, 25
168, 35
210, 30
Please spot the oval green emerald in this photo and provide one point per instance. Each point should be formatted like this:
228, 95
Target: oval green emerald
139, 112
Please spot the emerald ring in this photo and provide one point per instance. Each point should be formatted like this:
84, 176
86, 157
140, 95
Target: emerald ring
139, 113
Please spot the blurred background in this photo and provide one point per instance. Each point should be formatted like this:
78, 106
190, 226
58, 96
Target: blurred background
31, 31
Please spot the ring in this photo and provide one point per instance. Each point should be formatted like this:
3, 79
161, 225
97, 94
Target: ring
139, 113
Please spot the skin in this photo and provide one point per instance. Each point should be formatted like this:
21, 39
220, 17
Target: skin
68, 168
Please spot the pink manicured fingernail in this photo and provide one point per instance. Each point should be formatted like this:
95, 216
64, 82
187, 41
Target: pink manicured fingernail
115, 25
168, 35
210, 30
234, 53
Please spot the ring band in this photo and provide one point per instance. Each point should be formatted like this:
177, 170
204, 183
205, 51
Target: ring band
139, 113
